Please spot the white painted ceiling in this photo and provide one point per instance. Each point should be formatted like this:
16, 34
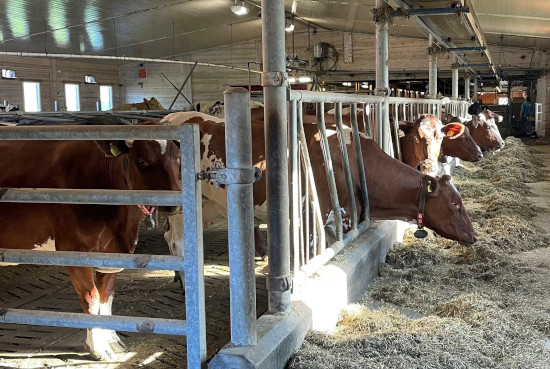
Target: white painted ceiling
173, 28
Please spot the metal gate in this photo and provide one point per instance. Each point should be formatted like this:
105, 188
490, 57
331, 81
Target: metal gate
192, 265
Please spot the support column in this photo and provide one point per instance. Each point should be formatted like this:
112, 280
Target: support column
275, 81
240, 218
433, 52
467, 87
455, 78
382, 16
474, 97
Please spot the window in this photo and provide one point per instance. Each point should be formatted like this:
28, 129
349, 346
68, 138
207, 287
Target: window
72, 97
106, 97
31, 96
8, 73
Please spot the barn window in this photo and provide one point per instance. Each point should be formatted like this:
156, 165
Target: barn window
106, 97
72, 97
31, 96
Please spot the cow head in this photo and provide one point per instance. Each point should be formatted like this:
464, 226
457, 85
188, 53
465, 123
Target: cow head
444, 212
146, 164
458, 142
485, 134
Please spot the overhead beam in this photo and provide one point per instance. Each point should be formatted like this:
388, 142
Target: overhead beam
473, 48
402, 4
428, 12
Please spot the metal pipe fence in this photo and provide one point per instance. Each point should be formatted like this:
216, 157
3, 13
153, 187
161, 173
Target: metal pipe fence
314, 243
192, 265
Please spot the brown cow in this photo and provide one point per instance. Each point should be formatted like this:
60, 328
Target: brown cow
421, 143
123, 165
151, 104
485, 134
458, 142
393, 186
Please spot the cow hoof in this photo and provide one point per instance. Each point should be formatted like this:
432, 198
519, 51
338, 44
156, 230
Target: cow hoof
105, 345
179, 278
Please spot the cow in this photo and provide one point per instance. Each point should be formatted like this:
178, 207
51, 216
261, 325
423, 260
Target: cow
421, 143
102, 164
491, 118
151, 104
216, 108
393, 186
484, 133
458, 142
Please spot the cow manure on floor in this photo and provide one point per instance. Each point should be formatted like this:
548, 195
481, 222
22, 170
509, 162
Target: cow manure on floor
480, 306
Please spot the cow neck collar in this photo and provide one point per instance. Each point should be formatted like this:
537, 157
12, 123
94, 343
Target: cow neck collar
421, 198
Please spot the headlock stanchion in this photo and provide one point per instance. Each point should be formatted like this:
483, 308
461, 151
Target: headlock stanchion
194, 326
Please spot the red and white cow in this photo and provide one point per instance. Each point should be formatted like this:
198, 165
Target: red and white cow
484, 133
393, 186
421, 143
122, 165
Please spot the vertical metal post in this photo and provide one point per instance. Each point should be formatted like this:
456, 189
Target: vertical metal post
193, 246
294, 185
339, 232
345, 162
467, 87
278, 239
365, 211
382, 80
240, 218
474, 97
433, 70
454, 71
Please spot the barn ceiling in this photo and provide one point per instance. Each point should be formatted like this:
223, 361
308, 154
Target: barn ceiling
172, 28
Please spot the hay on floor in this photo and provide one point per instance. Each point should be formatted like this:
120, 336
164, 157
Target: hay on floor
479, 306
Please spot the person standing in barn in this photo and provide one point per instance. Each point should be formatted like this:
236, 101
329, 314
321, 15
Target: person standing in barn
525, 112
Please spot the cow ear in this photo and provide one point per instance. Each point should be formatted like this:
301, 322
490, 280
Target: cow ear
453, 130
112, 148
433, 185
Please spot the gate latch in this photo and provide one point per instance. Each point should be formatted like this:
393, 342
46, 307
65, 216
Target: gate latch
225, 176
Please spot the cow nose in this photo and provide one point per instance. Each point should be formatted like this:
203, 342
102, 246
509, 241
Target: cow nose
480, 156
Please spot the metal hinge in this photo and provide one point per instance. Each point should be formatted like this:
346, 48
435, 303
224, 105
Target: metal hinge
227, 176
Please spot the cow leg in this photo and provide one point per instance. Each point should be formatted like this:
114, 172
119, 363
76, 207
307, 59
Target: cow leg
259, 244
174, 238
106, 287
89, 297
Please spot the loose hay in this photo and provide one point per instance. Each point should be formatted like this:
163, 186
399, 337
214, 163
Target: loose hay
480, 306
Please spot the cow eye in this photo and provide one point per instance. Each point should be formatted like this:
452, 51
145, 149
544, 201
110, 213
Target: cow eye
456, 204
141, 162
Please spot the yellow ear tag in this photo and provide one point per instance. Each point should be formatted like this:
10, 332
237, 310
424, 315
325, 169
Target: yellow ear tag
430, 186
450, 133
115, 150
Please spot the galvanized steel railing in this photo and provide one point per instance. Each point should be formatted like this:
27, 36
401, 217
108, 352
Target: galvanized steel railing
194, 326
309, 233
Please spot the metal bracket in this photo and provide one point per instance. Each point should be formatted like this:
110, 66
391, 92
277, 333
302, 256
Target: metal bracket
225, 176
280, 283
274, 79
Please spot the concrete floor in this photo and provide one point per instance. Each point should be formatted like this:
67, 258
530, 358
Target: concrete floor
138, 293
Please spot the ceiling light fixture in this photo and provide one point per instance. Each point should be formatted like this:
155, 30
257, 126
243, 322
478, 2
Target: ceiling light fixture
239, 9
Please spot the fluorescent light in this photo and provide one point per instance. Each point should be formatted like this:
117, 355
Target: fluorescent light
239, 9
290, 28
346, 84
303, 79
292, 79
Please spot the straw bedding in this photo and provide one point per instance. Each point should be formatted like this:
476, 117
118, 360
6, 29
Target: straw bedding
438, 304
